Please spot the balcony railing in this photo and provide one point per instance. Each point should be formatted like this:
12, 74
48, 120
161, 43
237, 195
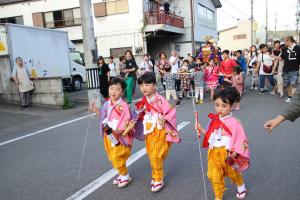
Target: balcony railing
160, 17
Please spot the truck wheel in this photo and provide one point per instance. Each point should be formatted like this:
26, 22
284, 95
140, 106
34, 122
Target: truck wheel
76, 83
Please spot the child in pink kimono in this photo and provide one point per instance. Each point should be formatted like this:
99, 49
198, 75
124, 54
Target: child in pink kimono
238, 83
159, 127
227, 143
117, 130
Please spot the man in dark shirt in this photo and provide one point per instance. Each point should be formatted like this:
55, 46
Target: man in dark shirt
291, 58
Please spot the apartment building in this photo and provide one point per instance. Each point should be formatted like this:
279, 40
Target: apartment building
143, 26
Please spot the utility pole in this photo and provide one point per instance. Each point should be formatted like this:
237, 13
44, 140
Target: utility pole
297, 20
90, 52
252, 22
266, 21
275, 25
192, 27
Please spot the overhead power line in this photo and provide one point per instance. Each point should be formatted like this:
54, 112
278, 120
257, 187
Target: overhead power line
239, 10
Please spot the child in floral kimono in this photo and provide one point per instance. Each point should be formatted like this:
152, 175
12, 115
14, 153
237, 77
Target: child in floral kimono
117, 130
211, 77
159, 127
185, 77
227, 143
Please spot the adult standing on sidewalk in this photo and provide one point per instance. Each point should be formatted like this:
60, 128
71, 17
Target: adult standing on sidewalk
251, 62
113, 68
227, 65
291, 113
162, 64
243, 63
104, 76
266, 69
278, 68
130, 68
291, 58
146, 65
175, 64
21, 76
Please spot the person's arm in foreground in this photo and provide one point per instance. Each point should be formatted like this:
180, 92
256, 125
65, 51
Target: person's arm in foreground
291, 113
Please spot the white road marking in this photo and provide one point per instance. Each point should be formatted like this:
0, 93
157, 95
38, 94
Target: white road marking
90, 188
53, 127
45, 129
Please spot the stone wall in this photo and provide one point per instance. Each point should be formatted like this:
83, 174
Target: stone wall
48, 91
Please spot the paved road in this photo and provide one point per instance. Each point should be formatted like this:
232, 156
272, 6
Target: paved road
45, 166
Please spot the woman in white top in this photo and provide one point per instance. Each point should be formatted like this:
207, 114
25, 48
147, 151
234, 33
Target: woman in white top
113, 68
174, 61
21, 76
266, 69
251, 63
146, 65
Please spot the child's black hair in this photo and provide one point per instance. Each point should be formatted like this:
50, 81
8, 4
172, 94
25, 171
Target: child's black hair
239, 51
228, 95
116, 81
261, 46
186, 61
168, 69
148, 78
226, 52
238, 69
121, 58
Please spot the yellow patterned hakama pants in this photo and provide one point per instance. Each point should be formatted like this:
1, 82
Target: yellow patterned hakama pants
157, 150
218, 170
117, 155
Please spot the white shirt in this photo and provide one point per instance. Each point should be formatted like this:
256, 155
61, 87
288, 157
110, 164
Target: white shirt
217, 139
252, 59
268, 60
175, 67
113, 69
148, 67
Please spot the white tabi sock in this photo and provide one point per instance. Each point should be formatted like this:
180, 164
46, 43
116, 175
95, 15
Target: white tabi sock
126, 177
241, 188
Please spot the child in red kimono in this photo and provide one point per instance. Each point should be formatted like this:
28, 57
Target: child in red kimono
227, 143
159, 127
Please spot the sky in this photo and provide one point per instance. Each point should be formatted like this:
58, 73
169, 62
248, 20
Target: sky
232, 10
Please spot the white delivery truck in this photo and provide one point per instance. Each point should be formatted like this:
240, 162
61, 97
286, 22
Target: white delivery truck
46, 52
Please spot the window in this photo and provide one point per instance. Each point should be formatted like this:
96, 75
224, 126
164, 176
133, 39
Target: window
68, 17
12, 20
202, 12
210, 17
76, 56
117, 52
49, 20
62, 18
76, 16
239, 36
207, 16
111, 8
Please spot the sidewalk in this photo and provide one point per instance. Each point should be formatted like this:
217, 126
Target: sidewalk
14, 121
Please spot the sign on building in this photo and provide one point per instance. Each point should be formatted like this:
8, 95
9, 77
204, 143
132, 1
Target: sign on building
3, 41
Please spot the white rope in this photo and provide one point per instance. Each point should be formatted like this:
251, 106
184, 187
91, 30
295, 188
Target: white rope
84, 146
201, 159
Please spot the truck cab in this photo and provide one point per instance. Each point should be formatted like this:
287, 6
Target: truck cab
78, 73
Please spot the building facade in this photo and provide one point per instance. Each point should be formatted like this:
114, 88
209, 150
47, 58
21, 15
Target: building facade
143, 26
239, 37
